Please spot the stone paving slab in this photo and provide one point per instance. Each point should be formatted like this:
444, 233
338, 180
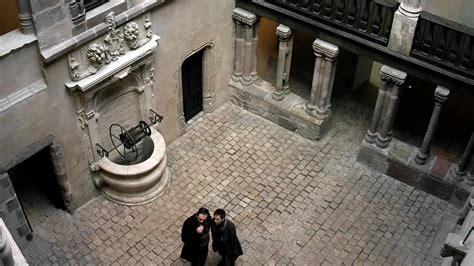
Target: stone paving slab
294, 202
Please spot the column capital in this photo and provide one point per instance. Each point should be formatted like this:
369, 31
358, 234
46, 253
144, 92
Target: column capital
244, 16
283, 32
441, 94
394, 75
326, 49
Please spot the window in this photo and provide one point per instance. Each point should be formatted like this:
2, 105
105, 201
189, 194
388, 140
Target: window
91, 4
8, 16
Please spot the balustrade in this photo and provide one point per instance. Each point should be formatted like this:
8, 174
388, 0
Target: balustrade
371, 19
444, 44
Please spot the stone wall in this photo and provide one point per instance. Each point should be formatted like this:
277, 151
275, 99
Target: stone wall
36, 104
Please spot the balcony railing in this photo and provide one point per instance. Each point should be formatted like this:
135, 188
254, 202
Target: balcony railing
370, 19
444, 43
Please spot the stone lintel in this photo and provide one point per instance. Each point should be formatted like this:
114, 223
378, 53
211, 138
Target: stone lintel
441, 94
244, 16
324, 48
392, 74
283, 32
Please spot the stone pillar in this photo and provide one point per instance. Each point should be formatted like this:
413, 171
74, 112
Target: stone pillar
440, 95
463, 164
323, 79
285, 37
404, 26
24, 15
385, 107
245, 67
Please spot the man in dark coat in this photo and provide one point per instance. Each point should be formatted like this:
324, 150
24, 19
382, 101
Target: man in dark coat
195, 236
224, 239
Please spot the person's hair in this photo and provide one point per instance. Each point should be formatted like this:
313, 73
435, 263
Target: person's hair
220, 213
203, 210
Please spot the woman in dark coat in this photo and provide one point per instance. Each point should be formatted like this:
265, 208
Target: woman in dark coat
195, 236
224, 239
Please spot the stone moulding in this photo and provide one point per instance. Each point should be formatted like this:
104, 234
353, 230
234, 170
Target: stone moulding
21, 95
89, 59
140, 183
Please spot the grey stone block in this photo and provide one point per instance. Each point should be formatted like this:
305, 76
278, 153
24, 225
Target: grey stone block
24, 230
4, 181
400, 151
13, 205
49, 18
286, 123
39, 5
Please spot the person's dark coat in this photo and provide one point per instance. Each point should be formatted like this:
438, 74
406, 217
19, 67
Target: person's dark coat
225, 240
191, 238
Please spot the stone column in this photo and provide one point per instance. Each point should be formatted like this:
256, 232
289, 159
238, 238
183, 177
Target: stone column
385, 107
24, 15
323, 79
440, 95
404, 26
285, 36
462, 166
245, 67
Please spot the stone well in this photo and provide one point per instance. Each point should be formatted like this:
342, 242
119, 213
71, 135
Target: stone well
138, 183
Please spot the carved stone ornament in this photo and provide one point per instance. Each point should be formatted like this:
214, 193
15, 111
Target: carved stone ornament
147, 26
131, 32
96, 54
88, 59
113, 40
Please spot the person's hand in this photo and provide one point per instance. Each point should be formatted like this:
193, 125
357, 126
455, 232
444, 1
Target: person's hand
199, 229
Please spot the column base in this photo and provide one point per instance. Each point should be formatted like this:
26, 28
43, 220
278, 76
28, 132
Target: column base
370, 137
421, 157
382, 142
316, 112
278, 96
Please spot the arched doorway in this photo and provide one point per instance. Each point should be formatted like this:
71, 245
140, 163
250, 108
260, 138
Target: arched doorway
191, 78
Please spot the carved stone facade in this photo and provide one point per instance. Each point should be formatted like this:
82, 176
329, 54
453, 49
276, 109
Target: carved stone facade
115, 44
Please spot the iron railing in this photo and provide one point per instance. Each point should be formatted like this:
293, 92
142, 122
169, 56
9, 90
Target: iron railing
370, 19
444, 43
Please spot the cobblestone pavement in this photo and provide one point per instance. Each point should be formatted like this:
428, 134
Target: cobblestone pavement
293, 201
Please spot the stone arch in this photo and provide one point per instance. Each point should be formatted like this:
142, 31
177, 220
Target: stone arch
209, 97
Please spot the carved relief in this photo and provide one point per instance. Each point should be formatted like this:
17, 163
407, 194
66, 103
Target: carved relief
96, 55
88, 59
147, 26
113, 40
131, 35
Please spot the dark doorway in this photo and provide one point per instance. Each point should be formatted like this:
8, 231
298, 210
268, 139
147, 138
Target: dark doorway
191, 72
35, 185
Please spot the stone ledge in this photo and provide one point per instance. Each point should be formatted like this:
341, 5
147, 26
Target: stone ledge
435, 177
14, 40
289, 113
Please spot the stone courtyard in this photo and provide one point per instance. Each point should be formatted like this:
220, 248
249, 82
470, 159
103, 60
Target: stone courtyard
294, 201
